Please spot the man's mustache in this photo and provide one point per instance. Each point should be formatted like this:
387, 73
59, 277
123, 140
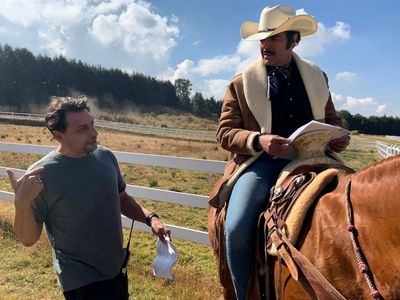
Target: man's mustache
268, 52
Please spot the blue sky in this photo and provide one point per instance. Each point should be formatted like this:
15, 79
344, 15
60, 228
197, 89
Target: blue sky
356, 43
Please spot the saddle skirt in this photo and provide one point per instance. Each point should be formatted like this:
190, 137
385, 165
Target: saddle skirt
295, 195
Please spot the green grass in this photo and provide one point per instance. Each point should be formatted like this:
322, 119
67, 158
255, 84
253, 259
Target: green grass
26, 273
358, 159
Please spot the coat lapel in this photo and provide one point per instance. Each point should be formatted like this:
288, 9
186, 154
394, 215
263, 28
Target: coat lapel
255, 86
315, 84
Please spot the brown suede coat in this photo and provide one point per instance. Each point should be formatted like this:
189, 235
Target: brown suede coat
237, 128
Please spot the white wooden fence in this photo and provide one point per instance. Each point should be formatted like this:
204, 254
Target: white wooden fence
386, 150
187, 199
198, 201
203, 135
393, 137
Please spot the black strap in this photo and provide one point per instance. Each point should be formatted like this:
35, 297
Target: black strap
127, 253
130, 235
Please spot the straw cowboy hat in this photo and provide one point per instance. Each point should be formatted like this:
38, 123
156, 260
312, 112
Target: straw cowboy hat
277, 19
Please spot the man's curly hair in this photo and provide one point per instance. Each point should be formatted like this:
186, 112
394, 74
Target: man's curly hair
59, 107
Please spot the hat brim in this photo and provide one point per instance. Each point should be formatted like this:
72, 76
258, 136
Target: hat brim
305, 24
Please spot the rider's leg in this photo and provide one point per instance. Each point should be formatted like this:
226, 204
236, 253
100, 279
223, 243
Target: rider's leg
248, 199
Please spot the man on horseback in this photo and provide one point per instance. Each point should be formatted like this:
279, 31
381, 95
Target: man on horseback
262, 106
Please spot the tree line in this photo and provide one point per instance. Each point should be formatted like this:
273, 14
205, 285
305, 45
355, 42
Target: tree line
27, 81
384, 125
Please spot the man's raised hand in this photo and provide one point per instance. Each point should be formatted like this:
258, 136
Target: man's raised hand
28, 187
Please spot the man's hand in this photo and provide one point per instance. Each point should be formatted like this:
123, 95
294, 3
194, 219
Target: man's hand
339, 144
27, 188
274, 145
159, 229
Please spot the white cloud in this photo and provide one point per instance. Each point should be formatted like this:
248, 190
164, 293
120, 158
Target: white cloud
59, 12
346, 76
248, 51
217, 64
336, 97
127, 34
341, 30
3, 29
215, 88
55, 12
367, 106
111, 6
353, 102
106, 29
248, 48
21, 12
54, 40
146, 32
315, 44
198, 74
183, 70
381, 109
195, 43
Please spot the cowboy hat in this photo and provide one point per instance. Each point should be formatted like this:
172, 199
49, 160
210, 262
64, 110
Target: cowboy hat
277, 19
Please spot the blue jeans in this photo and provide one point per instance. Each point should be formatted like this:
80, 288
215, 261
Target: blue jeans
248, 199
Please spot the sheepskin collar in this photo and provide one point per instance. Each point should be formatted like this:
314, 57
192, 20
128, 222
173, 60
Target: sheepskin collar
255, 84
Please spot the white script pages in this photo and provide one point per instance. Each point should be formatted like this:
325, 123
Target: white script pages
313, 125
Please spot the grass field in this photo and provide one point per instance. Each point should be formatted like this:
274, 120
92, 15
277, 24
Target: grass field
26, 273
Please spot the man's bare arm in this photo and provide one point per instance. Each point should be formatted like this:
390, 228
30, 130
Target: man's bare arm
26, 189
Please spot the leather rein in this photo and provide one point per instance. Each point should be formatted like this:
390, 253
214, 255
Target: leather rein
360, 256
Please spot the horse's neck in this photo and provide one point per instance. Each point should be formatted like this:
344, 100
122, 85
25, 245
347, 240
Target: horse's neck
388, 168
377, 188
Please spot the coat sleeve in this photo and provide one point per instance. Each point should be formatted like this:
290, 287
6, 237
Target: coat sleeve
231, 134
330, 112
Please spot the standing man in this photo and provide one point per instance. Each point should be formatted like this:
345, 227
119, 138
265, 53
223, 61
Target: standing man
78, 192
272, 97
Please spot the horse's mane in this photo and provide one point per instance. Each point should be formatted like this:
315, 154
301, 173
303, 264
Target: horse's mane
386, 167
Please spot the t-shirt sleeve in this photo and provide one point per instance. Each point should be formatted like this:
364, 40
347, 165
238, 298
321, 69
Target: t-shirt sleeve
120, 178
40, 208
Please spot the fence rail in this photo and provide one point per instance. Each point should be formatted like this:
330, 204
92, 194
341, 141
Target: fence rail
204, 135
393, 137
386, 150
180, 198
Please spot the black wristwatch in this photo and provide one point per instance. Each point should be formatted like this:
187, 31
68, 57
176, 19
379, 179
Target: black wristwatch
149, 217
256, 143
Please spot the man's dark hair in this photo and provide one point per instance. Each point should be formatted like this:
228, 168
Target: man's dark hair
289, 35
59, 107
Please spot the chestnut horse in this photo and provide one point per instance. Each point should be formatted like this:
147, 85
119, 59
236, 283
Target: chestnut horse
325, 238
